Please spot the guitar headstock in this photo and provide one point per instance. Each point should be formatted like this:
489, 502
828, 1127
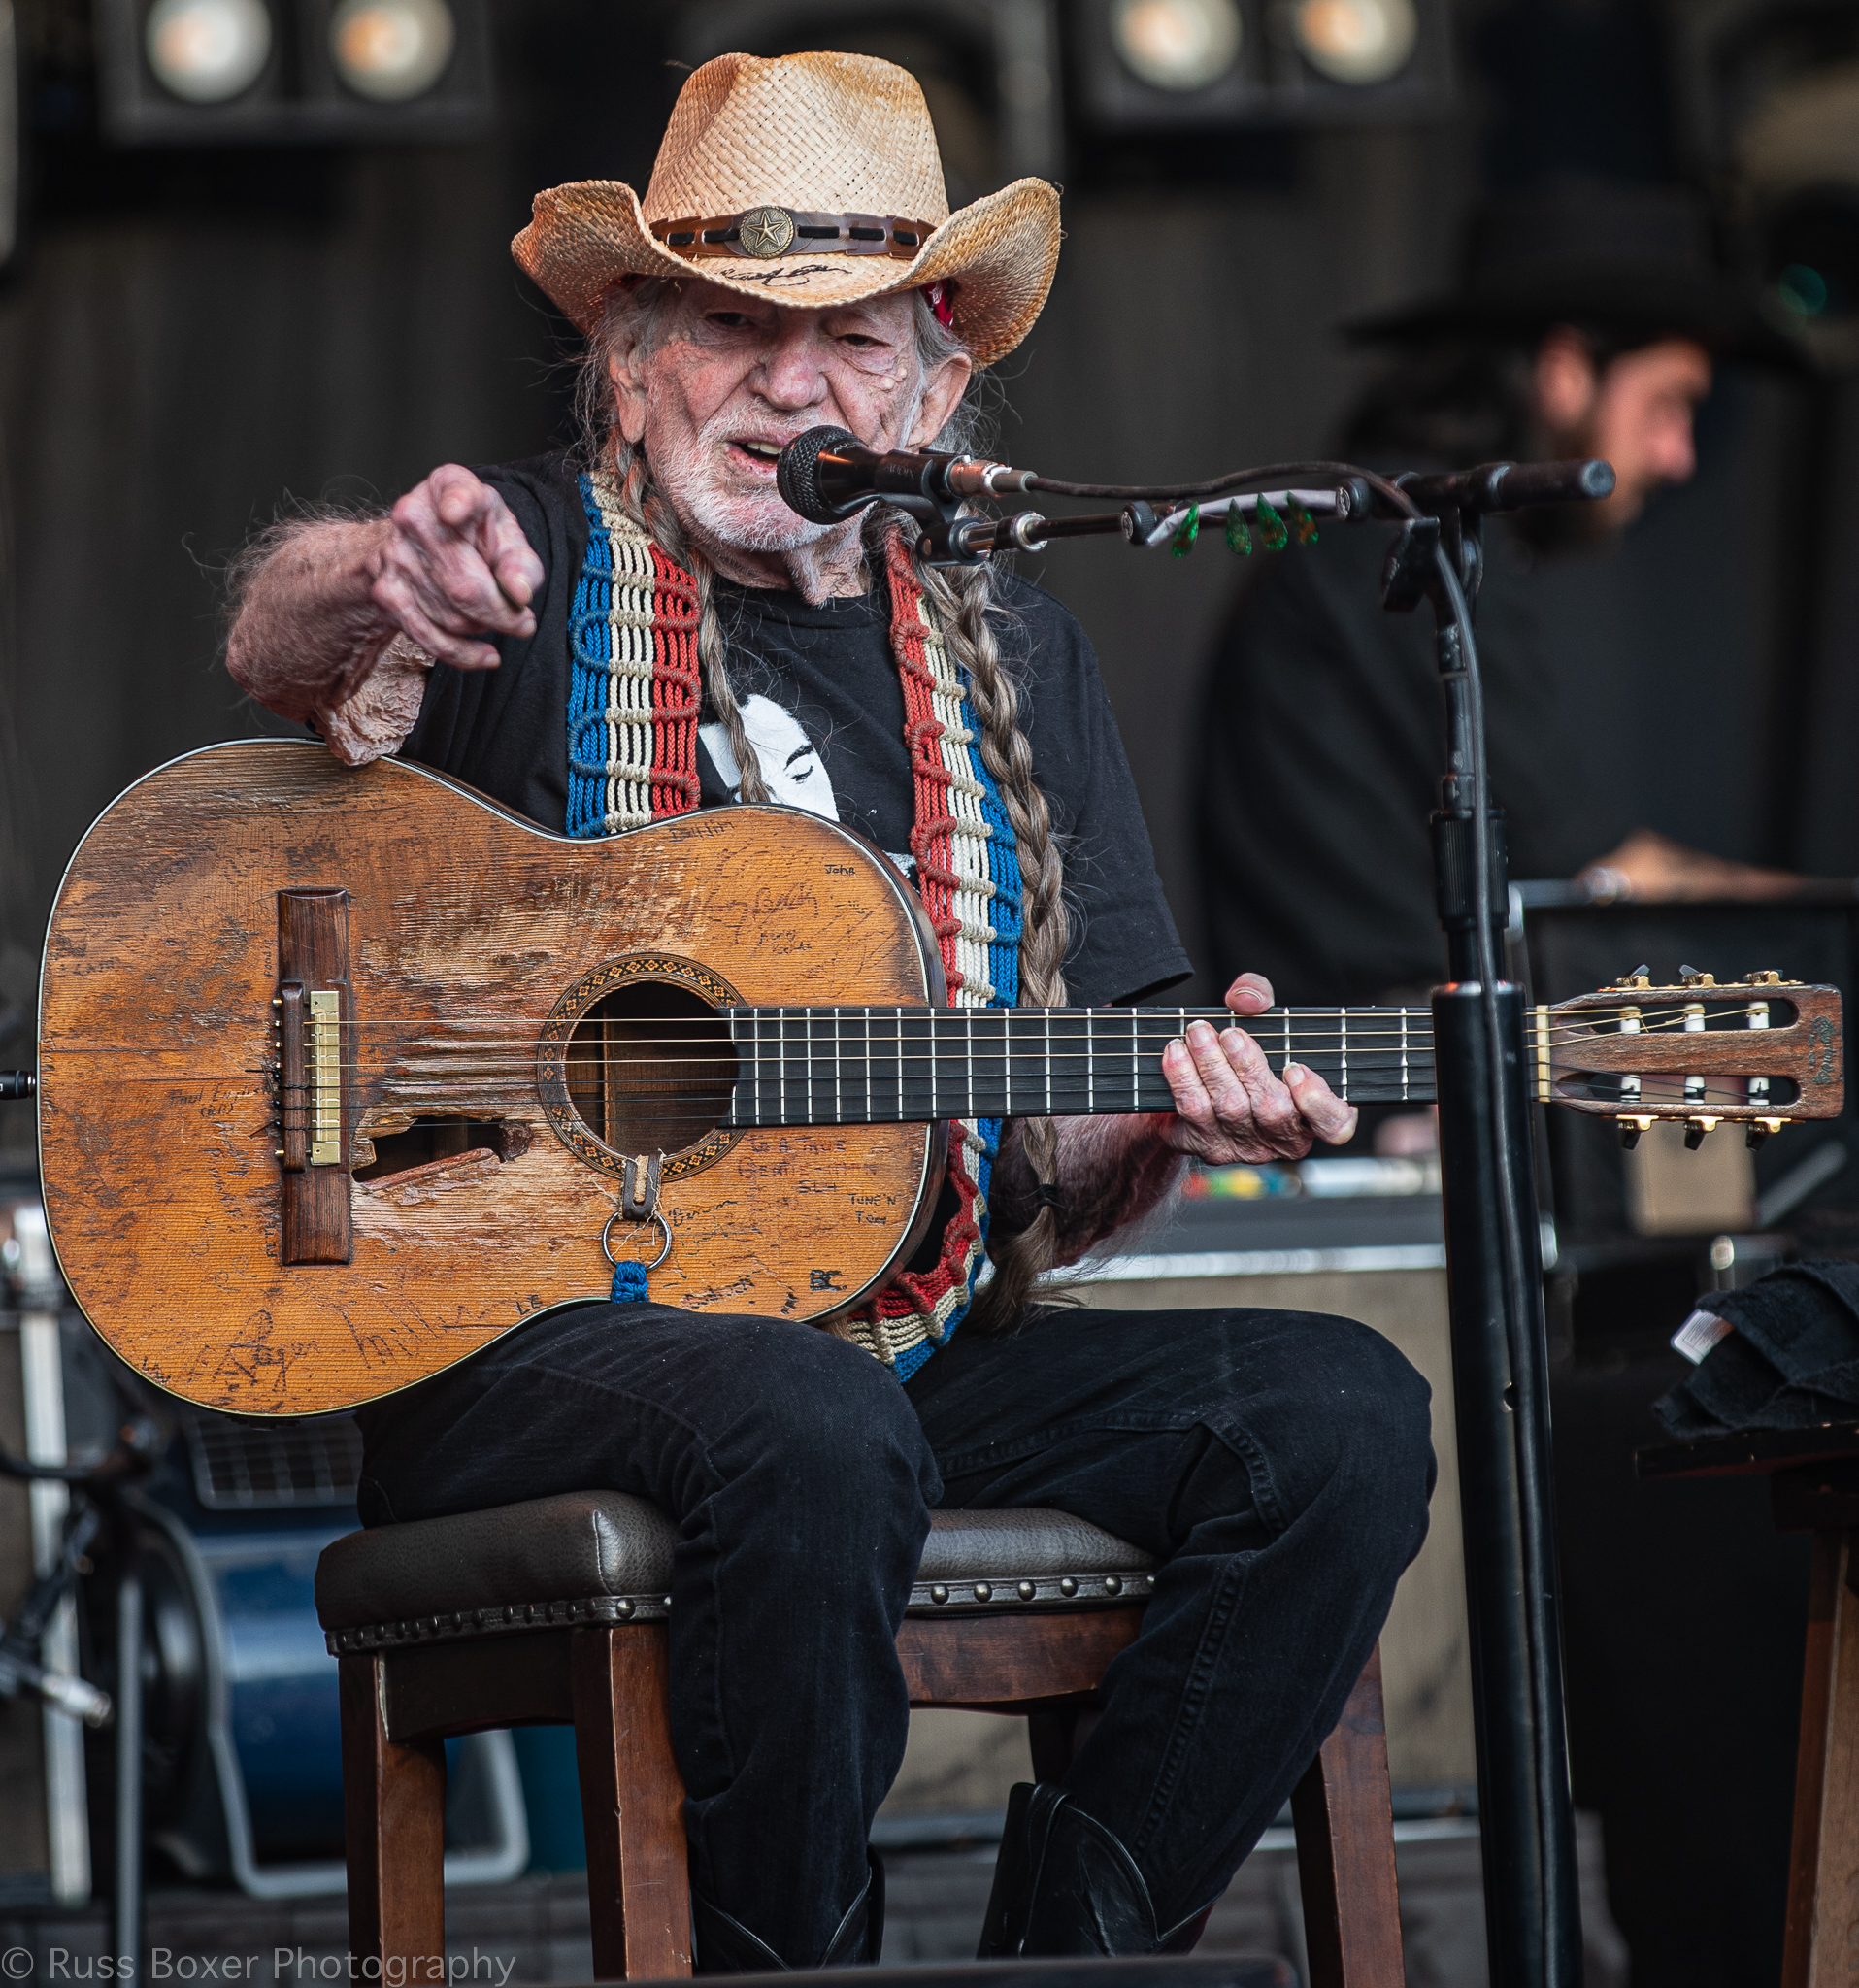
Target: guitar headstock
1758, 1052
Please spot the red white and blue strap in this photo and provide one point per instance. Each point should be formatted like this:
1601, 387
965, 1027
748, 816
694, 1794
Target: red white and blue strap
634, 689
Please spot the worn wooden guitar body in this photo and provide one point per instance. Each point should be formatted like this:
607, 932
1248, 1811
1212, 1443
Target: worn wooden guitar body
160, 1122
342, 1075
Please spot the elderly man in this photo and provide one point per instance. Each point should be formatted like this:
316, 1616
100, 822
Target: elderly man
530, 629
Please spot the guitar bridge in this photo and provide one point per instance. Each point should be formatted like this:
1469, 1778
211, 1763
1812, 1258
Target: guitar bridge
315, 1067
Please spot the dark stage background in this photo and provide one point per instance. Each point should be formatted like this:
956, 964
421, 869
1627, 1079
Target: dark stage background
194, 338
191, 339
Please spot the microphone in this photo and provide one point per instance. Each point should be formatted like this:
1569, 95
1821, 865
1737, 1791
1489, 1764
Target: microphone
827, 474
1512, 486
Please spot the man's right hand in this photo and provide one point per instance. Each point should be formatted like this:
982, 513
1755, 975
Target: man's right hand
452, 563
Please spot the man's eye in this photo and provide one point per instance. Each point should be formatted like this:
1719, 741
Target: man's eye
858, 338
729, 321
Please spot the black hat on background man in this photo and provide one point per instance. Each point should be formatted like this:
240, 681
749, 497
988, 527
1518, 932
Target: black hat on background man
1622, 259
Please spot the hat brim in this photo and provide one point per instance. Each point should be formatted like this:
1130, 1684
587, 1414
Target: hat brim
1001, 252
1616, 296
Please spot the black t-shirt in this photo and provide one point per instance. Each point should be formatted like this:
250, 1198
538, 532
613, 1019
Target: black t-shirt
823, 706
1322, 737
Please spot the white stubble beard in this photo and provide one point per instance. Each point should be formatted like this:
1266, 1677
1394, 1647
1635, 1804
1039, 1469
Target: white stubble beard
687, 471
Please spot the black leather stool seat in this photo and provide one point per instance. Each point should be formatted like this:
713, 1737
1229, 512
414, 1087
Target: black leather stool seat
598, 1556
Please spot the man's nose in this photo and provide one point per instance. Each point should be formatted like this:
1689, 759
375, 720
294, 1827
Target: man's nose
791, 373
1678, 459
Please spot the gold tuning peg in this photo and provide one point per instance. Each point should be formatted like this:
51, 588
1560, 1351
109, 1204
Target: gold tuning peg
1768, 978
1691, 978
1636, 978
1631, 1128
1759, 1129
1697, 1129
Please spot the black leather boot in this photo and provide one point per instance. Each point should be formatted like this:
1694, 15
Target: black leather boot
726, 1946
1065, 1886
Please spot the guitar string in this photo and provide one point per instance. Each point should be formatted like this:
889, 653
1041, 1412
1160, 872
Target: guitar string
1733, 1015
825, 1024
1071, 1098
888, 1035
1309, 1038
1372, 1020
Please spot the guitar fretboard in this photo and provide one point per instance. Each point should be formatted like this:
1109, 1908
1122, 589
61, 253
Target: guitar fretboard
878, 1066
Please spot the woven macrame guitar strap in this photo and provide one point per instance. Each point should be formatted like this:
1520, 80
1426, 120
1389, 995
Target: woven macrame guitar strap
633, 706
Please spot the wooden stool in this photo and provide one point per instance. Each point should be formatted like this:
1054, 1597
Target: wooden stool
555, 1613
1814, 1480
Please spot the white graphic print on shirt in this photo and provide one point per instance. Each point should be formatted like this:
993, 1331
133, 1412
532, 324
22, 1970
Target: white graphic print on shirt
793, 769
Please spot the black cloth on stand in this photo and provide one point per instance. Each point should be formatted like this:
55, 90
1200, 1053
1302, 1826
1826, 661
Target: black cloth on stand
1321, 743
1791, 1362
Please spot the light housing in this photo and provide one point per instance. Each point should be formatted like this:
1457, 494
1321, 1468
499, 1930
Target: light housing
293, 72
1200, 66
1356, 43
1177, 45
208, 52
391, 50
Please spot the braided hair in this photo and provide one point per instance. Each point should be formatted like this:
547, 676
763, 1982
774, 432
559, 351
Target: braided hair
972, 616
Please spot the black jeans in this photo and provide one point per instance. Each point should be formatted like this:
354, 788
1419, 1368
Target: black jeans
1279, 1462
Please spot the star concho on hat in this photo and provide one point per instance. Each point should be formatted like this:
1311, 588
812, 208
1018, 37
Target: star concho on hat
807, 180
765, 232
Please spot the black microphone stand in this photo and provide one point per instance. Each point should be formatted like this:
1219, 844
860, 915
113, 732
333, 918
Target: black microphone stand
1494, 1271
101, 1491
101, 1504
1494, 1277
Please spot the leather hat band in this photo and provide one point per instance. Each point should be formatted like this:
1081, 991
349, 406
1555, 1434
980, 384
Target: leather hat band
763, 233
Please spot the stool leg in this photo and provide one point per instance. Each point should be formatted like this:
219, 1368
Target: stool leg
632, 1802
1817, 1947
393, 1811
1346, 1850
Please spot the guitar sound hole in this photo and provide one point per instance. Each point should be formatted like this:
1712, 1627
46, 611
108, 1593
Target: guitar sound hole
651, 1069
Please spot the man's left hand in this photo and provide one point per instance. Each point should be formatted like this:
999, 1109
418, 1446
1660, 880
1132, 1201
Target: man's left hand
1231, 1107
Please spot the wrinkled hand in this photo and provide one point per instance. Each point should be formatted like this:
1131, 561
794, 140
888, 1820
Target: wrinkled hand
453, 564
1650, 868
1231, 1107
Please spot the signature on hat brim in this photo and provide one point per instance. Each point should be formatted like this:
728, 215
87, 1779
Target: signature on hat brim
1000, 251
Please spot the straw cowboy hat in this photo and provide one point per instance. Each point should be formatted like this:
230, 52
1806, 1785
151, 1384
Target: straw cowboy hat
813, 179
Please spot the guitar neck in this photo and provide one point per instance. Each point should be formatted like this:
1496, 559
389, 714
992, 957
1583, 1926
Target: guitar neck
871, 1065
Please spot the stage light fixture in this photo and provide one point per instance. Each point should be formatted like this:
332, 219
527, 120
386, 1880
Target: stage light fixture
1357, 41
391, 50
208, 52
1188, 67
293, 72
1177, 45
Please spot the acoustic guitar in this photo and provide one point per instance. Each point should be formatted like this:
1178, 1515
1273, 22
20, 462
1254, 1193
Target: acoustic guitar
344, 1073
